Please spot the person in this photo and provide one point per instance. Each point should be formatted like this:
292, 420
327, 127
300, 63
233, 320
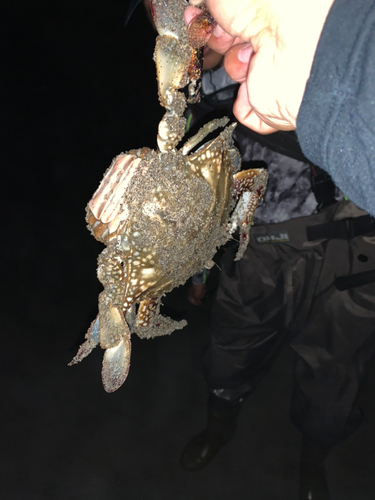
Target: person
308, 276
298, 71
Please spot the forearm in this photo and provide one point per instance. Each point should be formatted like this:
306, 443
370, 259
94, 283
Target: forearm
336, 121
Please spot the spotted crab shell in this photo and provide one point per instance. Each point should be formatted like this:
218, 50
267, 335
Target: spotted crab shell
165, 212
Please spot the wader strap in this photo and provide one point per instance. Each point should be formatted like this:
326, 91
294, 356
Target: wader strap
323, 187
346, 282
344, 229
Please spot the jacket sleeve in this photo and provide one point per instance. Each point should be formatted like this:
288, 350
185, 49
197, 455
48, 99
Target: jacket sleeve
336, 122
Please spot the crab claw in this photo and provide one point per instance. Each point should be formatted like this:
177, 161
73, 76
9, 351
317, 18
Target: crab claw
115, 339
200, 29
178, 59
116, 364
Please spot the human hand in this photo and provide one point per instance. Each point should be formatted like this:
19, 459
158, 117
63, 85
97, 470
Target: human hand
196, 294
269, 47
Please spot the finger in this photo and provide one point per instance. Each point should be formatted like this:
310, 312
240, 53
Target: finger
236, 61
190, 13
246, 115
220, 41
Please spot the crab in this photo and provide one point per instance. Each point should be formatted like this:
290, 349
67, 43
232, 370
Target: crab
163, 214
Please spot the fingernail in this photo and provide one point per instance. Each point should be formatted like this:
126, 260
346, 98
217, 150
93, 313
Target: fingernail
245, 53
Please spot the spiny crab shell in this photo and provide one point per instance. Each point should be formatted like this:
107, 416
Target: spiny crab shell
162, 215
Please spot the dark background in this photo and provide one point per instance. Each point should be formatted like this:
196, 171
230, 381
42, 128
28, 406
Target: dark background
77, 89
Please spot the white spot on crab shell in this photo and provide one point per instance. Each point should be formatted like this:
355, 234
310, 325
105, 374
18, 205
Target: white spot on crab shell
148, 271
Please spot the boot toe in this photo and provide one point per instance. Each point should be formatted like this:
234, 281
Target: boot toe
313, 485
201, 450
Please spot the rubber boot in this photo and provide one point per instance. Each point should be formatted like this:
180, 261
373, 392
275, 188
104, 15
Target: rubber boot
313, 482
221, 427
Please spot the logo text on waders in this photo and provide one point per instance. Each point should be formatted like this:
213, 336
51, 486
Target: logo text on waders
280, 237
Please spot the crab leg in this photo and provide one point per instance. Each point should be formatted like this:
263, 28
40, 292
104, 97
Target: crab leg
177, 57
250, 186
111, 330
202, 133
92, 340
146, 312
150, 323
171, 76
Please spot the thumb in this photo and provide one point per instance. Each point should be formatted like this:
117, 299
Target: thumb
237, 60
